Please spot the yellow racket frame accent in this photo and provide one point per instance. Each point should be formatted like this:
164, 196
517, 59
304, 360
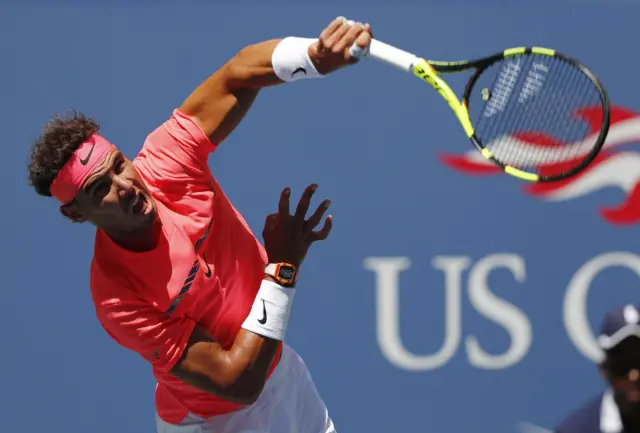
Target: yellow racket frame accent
423, 70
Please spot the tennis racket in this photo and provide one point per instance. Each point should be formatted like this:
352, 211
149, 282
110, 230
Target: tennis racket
539, 115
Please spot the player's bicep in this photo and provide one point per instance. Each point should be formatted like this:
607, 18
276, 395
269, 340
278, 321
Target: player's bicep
218, 107
205, 365
202, 356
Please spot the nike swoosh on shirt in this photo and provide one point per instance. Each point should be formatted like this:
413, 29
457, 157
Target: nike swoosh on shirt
208, 272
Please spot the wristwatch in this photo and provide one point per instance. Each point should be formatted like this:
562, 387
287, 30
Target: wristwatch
284, 273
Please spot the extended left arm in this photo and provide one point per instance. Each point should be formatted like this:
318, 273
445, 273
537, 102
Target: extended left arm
222, 100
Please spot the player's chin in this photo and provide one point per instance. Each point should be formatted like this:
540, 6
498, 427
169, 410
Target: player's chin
142, 214
143, 219
147, 218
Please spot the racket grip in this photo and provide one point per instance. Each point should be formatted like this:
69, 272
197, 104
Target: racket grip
385, 53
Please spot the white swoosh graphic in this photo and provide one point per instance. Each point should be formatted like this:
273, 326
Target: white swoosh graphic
621, 170
622, 132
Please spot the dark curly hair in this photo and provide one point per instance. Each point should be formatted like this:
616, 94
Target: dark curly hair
60, 137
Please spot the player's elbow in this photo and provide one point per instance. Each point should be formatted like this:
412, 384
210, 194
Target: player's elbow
246, 399
247, 396
228, 375
239, 72
242, 387
237, 385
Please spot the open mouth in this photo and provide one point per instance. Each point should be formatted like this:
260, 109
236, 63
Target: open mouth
139, 205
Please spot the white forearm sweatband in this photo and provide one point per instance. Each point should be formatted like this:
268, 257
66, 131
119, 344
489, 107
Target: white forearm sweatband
269, 315
290, 59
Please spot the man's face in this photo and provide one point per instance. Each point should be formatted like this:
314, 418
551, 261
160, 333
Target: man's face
623, 372
114, 198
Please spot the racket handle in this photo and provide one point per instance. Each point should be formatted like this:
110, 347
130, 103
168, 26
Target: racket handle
385, 53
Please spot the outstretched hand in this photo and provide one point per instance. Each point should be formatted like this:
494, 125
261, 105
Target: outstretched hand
287, 237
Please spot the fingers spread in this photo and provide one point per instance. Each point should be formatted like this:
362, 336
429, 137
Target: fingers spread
318, 214
303, 204
283, 205
324, 231
270, 222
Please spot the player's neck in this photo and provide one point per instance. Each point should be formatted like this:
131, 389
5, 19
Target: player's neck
139, 242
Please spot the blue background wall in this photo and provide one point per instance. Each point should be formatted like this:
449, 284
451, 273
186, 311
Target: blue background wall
370, 137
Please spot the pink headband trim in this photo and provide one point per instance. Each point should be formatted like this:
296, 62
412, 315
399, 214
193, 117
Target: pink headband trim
71, 177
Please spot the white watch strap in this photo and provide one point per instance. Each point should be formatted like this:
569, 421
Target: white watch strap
270, 269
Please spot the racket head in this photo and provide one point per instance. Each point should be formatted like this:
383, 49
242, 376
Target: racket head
539, 115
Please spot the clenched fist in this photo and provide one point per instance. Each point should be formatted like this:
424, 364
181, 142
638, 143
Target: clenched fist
331, 51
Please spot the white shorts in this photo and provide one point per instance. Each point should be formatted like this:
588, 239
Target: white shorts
289, 403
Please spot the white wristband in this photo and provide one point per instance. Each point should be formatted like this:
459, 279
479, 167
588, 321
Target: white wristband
269, 314
290, 59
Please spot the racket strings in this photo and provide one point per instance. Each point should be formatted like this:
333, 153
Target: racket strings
539, 124
531, 121
584, 97
530, 116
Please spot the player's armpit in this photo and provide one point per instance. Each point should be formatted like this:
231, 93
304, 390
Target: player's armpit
223, 99
237, 375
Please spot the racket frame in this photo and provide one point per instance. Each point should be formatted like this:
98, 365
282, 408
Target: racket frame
429, 70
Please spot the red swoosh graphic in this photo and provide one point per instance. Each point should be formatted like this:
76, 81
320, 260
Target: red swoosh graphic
626, 213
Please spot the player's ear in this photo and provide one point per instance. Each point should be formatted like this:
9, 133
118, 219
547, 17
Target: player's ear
72, 212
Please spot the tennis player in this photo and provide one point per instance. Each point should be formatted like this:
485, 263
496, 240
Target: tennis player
617, 409
177, 275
